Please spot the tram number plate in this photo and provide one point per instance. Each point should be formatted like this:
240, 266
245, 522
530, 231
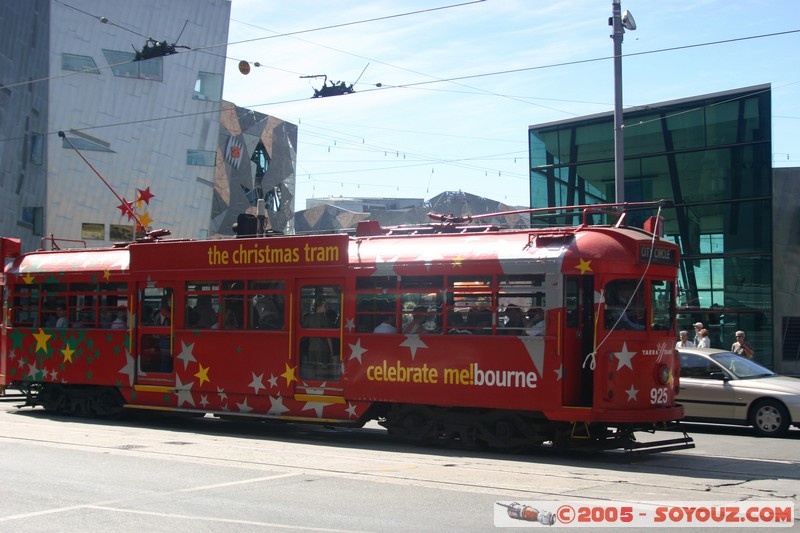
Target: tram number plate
659, 395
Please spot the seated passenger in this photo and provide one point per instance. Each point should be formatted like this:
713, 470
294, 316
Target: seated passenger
386, 325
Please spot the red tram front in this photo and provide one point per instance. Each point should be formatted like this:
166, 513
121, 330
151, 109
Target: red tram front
466, 334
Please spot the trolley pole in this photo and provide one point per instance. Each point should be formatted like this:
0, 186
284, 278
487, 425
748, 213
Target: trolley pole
619, 23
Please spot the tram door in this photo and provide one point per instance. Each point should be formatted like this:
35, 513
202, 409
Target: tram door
578, 341
155, 333
318, 333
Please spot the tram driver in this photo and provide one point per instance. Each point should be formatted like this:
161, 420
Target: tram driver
624, 307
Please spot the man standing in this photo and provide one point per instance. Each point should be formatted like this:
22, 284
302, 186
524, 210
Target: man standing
697, 327
741, 346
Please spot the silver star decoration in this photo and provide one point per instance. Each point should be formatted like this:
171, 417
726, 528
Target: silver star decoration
276, 406
12, 354
221, 392
257, 382
535, 348
183, 391
273, 381
32, 371
559, 372
632, 394
317, 407
351, 410
186, 354
385, 268
204, 401
356, 351
130, 367
624, 357
243, 407
350, 325
53, 375
413, 342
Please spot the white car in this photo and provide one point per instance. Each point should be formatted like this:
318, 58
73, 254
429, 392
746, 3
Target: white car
722, 387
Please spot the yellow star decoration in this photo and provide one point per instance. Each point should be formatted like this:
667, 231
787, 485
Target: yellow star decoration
584, 266
145, 219
67, 354
289, 374
202, 374
28, 279
457, 261
41, 340
106, 275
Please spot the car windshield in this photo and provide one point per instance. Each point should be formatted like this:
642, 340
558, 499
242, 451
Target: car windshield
740, 367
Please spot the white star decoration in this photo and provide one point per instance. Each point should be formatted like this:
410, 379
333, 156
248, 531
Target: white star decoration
624, 357
413, 342
357, 351
559, 372
257, 382
130, 367
184, 392
276, 406
243, 407
535, 349
351, 410
350, 325
273, 381
385, 268
204, 401
186, 354
221, 392
317, 407
632, 394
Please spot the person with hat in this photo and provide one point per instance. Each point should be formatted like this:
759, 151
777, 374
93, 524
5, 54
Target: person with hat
697, 327
741, 346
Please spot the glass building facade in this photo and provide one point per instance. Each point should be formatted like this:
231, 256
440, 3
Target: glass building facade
711, 157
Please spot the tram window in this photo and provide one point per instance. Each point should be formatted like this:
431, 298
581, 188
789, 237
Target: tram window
26, 308
376, 282
624, 307
320, 306
422, 282
662, 298
156, 306
469, 305
155, 353
266, 309
375, 309
320, 359
521, 303
425, 307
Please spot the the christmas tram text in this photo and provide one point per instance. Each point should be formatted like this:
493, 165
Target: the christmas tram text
264, 254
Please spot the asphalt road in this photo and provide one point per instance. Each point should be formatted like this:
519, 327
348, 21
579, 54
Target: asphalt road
204, 474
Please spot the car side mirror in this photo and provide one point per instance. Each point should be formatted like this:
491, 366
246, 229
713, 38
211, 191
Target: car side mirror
719, 375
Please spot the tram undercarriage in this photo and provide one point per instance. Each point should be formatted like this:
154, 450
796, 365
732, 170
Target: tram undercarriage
516, 431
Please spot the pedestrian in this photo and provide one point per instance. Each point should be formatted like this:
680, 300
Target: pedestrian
697, 327
741, 346
684, 342
705, 341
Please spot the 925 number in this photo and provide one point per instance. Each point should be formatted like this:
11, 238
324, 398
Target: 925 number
659, 396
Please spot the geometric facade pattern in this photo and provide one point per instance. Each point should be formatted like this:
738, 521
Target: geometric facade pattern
256, 159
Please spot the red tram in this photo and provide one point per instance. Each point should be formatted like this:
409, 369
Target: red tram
473, 334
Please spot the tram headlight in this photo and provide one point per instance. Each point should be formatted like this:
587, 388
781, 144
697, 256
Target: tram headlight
663, 374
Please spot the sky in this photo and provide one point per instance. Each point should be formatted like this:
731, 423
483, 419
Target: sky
444, 91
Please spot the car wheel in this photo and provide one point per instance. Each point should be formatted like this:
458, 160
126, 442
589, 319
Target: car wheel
769, 418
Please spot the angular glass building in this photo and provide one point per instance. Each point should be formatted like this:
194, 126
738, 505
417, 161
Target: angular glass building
710, 156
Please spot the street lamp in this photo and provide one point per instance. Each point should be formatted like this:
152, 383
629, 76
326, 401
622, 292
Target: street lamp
619, 22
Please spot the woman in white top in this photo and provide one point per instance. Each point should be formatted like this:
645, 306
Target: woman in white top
684, 342
702, 339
